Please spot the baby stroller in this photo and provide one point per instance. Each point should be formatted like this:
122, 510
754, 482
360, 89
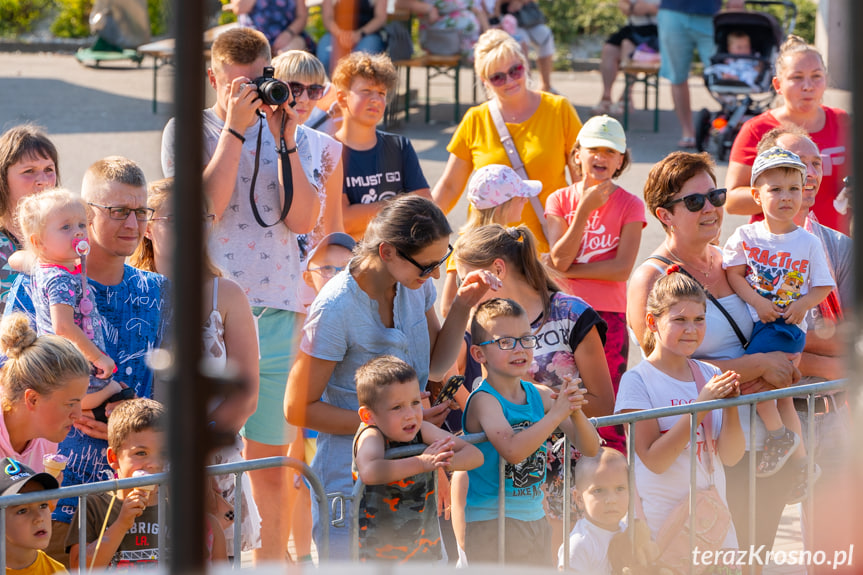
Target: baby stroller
715, 131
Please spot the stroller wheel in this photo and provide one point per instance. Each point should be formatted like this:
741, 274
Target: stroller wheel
702, 130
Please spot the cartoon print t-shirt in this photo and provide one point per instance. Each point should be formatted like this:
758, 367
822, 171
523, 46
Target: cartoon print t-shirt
780, 267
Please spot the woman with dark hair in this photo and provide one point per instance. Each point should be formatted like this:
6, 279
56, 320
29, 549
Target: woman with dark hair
382, 303
28, 164
681, 193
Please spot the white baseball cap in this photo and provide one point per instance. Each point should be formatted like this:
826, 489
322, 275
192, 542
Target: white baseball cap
492, 185
602, 132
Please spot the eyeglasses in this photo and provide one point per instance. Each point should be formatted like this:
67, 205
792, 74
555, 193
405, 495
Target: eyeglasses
315, 91
508, 343
695, 202
327, 272
498, 79
426, 270
115, 213
208, 218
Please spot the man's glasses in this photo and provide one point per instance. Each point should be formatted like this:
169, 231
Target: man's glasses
695, 202
116, 213
425, 270
315, 91
498, 79
327, 272
508, 343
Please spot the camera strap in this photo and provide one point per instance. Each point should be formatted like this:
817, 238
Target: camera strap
287, 174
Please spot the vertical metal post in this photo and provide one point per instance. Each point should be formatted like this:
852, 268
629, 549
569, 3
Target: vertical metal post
187, 408
501, 510
567, 501
82, 534
751, 476
693, 461
238, 520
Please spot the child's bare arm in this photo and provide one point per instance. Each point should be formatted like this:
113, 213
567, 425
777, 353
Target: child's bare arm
97, 398
767, 312
375, 469
132, 508
797, 310
63, 320
617, 268
465, 455
486, 414
731, 443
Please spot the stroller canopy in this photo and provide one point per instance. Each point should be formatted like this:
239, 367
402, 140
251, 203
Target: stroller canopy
764, 31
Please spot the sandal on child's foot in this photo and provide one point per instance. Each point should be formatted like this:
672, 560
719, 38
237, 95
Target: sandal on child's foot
604, 107
776, 452
801, 488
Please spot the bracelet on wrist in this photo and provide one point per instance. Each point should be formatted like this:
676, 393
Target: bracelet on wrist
235, 133
281, 151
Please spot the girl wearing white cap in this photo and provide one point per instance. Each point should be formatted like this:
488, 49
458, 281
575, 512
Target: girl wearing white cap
497, 195
594, 228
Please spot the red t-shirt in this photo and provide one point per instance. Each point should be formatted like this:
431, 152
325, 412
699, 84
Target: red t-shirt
601, 236
833, 141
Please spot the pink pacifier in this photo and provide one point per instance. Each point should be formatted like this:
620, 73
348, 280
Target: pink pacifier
82, 246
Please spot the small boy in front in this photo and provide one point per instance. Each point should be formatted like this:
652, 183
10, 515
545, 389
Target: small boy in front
501, 405
136, 443
398, 512
602, 486
780, 271
28, 527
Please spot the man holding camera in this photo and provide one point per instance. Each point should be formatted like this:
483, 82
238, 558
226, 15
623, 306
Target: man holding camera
252, 160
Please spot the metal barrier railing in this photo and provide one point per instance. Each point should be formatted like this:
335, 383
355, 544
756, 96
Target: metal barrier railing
629, 419
237, 469
354, 499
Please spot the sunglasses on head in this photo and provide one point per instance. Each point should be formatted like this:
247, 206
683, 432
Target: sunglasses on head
499, 78
429, 269
315, 91
695, 202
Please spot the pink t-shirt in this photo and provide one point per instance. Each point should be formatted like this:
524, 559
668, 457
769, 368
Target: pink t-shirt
32, 454
601, 236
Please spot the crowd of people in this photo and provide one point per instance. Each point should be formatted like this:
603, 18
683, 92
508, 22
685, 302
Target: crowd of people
323, 300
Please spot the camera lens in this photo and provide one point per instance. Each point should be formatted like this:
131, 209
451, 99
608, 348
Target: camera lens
274, 92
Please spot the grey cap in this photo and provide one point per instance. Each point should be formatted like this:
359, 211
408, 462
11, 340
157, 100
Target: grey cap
776, 157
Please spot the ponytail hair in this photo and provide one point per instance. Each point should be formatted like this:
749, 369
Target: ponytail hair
479, 248
668, 290
43, 364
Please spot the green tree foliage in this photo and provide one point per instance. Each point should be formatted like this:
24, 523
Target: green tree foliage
17, 16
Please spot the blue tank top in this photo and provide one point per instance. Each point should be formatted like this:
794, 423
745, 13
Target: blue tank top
523, 481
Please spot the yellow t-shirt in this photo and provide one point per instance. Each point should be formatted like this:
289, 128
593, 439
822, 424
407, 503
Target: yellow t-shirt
43, 565
543, 141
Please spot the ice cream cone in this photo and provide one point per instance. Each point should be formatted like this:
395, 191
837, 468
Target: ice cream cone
142, 473
54, 464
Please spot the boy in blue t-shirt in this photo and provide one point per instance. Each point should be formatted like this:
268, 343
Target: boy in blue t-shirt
501, 405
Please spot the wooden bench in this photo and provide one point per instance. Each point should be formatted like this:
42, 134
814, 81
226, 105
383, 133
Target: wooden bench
435, 66
648, 76
162, 51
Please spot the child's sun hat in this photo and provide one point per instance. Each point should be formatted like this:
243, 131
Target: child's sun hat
602, 132
776, 157
492, 185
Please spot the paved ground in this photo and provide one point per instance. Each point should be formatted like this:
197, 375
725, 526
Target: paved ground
91, 113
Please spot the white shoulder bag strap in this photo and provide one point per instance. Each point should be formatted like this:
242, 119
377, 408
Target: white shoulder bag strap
514, 159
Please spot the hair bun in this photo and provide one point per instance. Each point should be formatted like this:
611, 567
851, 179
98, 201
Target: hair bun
16, 335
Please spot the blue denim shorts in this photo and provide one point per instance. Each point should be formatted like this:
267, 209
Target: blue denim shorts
679, 35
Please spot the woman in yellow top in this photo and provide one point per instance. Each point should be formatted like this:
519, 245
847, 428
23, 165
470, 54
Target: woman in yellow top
542, 125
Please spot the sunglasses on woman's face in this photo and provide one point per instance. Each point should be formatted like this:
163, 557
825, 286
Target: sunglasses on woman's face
695, 202
429, 269
315, 91
498, 79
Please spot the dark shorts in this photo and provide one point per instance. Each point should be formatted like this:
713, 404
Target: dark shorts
635, 34
771, 493
527, 542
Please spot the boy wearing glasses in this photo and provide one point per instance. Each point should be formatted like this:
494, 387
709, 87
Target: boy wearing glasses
377, 165
780, 271
503, 404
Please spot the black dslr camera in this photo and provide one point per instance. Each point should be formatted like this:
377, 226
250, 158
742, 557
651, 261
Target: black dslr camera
271, 91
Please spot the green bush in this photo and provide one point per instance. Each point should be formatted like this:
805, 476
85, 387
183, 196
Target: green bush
17, 16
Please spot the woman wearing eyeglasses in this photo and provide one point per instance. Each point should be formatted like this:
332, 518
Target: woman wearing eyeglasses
322, 155
543, 127
681, 193
570, 334
383, 303
228, 336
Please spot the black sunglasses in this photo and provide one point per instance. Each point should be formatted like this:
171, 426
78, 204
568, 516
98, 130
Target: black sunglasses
695, 202
425, 270
498, 79
315, 91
